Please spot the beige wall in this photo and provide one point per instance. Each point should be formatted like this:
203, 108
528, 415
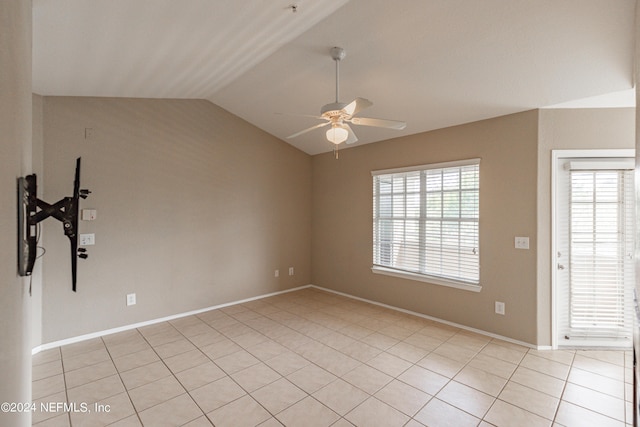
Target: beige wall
198, 208
342, 223
195, 208
569, 129
15, 161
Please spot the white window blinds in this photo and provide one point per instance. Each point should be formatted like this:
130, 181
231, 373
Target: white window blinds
425, 220
601, 252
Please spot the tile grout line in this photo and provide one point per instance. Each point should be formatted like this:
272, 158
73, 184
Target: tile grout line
458, 330
247, 393
308, 395
64, 380
313, 363
564, 388
171, 372
137, 413
567, 382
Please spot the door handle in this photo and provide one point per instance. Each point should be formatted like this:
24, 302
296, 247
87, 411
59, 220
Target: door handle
560, 267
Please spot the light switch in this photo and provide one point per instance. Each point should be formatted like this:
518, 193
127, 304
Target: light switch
89, 214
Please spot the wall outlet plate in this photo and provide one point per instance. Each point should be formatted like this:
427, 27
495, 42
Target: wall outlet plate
87, 239
522, 242
290, 271
131, 299
500, 307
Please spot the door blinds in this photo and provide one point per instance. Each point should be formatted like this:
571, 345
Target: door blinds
601, 247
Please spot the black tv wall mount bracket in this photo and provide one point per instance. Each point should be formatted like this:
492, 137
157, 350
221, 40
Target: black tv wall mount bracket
32, 210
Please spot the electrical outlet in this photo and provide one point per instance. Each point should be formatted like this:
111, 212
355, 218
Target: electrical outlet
500, 308
290, 271
522, 243
131, 299
87, 239
276, 273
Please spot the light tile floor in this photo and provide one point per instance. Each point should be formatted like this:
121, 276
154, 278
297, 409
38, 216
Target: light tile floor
312, 358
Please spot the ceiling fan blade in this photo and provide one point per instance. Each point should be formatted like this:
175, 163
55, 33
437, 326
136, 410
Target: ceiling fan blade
381, 123
356, 106
308, 130
352, 136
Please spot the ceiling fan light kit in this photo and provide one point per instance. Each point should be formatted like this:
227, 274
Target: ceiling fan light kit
339, 114
337, 134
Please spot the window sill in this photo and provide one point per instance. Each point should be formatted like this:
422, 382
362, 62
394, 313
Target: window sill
426, 279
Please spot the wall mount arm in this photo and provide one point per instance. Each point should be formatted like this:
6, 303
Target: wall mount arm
65, 210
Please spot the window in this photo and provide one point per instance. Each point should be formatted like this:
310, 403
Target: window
425, 223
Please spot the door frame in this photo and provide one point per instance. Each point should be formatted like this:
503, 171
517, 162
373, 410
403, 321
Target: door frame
556, 157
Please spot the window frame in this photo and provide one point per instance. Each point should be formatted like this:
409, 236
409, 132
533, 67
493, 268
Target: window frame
459, 282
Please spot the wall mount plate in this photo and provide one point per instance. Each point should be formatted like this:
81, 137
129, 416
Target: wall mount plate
27, 226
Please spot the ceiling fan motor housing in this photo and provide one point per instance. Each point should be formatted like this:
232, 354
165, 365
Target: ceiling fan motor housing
333, 109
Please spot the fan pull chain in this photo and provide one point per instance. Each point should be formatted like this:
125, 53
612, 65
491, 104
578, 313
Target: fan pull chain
335, 151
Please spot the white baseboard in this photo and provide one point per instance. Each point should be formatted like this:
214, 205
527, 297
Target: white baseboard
85, 337
543, 347
435, 319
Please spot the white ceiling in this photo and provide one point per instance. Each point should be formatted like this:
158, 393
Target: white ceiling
431, 63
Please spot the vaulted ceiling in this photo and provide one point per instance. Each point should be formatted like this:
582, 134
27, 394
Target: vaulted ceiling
431, 63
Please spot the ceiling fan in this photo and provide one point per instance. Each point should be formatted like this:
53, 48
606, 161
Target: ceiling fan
339, 115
